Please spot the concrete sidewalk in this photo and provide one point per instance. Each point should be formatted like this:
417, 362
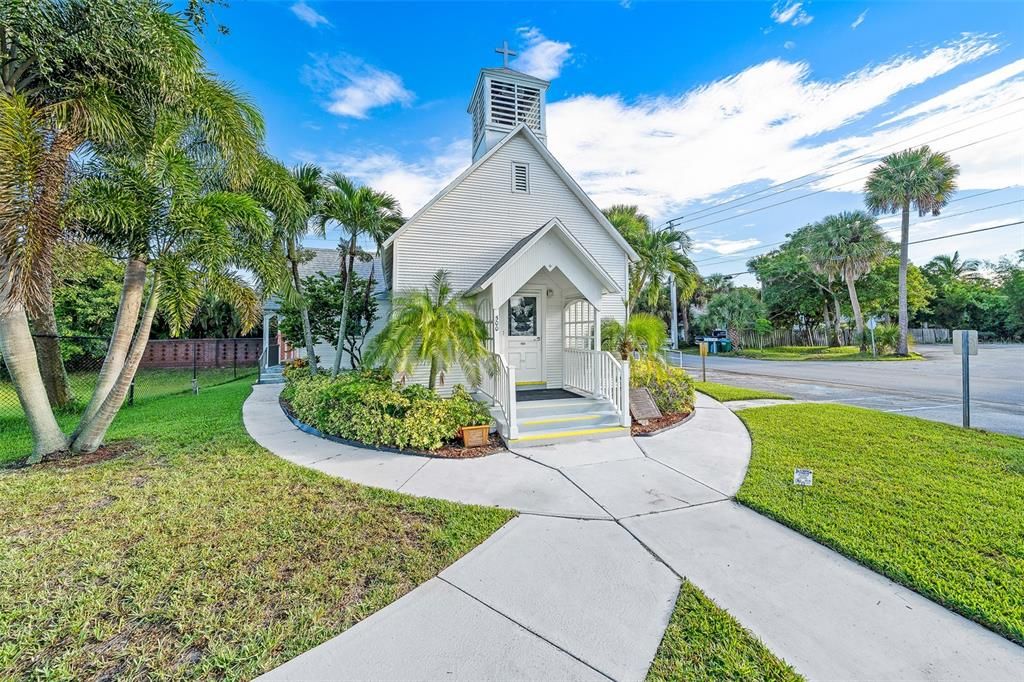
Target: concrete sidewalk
581, 585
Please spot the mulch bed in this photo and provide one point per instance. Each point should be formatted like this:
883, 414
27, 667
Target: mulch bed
655, 425
65, 459
453, 450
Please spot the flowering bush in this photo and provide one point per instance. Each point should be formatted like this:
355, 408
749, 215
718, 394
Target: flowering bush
372, 409
671, 387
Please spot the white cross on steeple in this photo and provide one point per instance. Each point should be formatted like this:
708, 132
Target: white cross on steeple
505, 52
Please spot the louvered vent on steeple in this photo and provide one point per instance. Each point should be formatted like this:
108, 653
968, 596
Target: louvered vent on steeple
504, 98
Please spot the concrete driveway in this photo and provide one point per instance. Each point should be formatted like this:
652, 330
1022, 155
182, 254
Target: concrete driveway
929, 389
582, 583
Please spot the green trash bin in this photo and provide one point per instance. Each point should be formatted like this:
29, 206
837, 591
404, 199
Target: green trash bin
725, 345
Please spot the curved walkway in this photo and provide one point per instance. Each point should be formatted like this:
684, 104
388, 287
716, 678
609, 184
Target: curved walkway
581, 585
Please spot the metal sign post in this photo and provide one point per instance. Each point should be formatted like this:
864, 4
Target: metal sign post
703, 360
872, 323
965, 344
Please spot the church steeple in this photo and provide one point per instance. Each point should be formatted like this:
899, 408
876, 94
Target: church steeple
504, 98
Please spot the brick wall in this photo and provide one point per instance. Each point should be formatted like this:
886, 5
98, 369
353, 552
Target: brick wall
207, 352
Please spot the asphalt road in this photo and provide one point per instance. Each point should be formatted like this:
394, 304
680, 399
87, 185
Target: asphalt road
930, 388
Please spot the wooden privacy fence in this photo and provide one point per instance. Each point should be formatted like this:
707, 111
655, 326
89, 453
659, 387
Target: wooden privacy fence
203, 353
814, 336
817, 337
931, 335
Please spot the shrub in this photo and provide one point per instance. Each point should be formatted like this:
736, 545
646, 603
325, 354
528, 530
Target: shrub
296, 369
671, 387
370, 408
887, 338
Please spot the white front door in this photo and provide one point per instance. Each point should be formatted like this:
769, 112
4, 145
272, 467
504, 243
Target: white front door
525, 336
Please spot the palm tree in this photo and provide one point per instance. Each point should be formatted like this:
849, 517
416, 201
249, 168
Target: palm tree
949, 267
738, 309
432, 326
308, 177
846, 246
920, 178
84, 71
663, 255
155, 205
359, 211
643, 332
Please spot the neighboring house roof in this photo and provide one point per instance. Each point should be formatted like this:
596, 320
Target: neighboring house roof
559, 170
526, 242
327, 261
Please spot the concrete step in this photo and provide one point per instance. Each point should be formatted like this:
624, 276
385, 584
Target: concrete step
550, 437
567, 422
536, 409
271, 379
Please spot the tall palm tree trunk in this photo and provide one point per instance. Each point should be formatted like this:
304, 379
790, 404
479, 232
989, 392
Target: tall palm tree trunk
343, 324
828, 327
19, 353
307, 331
48, 208
121, 339
858, 316
90, 434
51, 364
904, 321
838, 320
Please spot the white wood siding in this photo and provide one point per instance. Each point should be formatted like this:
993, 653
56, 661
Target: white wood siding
478, 221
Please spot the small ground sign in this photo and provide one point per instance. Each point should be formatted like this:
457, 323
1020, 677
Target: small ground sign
641, 405
804, 477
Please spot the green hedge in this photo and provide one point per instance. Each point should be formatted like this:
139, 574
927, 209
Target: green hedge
671, 387
370, 408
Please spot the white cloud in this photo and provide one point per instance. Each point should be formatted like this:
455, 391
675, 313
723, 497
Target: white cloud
760, 125
309, 15
790, 12
542, 57
724, 246
413, 183
789, 44
352, 87
859, 20
766, 124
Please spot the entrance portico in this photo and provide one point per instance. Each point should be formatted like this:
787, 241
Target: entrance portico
543, 300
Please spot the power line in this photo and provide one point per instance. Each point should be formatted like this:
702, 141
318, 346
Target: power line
829, 188
917, 241
816, 175
720, 259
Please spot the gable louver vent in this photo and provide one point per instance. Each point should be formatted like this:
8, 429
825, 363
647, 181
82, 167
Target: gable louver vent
520, 177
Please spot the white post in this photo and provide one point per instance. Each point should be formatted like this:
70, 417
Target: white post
513, 426
595, 365
266, 338
625, 418
674, 327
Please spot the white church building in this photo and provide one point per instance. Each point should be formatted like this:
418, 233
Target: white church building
541, 262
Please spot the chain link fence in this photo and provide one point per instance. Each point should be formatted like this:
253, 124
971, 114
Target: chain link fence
168, 367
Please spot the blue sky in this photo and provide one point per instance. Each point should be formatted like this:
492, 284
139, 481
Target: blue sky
673, 106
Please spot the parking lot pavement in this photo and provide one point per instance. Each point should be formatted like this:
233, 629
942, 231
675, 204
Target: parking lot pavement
929, 388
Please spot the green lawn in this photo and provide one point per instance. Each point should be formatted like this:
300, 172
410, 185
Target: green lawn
198, 554
842, 353
704, 643
149, 384
724, 392
937, 508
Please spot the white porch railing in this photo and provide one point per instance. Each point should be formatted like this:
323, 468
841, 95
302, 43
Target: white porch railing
501, 389
601, 375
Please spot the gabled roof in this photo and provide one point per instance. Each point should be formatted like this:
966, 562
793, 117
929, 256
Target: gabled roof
529, 240
328, 262
560, 171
